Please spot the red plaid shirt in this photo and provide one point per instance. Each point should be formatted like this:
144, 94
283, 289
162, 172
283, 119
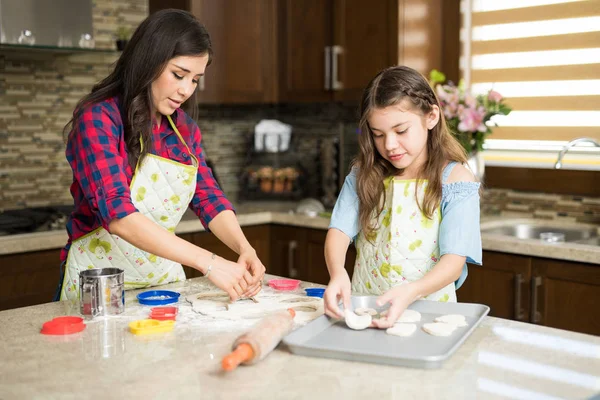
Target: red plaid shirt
97, 153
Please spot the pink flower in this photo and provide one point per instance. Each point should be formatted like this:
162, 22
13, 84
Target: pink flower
471, 120
494, 96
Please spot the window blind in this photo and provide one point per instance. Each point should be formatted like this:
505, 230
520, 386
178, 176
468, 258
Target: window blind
543, 56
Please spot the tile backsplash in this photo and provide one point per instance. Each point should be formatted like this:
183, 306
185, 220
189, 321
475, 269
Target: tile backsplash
511, 203
38, 91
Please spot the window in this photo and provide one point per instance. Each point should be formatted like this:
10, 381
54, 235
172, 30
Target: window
544, 57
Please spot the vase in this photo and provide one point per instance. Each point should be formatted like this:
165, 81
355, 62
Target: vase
477, 164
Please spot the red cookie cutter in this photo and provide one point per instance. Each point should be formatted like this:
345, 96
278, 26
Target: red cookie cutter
284, 284
163, 313
63, 326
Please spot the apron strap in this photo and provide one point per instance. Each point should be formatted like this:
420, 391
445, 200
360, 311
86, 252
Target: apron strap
195, 160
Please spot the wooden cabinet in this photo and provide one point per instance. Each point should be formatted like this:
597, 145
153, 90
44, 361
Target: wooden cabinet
330, 49
244, 43
28, 278
566, 295
299, 253
501, 283
556, 293
288, 255
307, 51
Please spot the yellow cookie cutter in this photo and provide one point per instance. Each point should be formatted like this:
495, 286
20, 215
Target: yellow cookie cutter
149, 326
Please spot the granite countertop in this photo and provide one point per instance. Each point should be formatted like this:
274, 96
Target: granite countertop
259, 213
501, 359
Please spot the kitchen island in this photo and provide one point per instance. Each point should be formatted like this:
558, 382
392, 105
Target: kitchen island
501, 359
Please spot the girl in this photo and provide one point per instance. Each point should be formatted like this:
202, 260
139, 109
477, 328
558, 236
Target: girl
411, 204
138, 164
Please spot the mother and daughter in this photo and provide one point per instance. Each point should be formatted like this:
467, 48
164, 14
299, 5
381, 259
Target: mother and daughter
409, 204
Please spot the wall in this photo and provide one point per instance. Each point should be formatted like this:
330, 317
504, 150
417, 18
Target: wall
38, 91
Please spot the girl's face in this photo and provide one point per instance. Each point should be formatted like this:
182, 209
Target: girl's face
177, 83
400, 135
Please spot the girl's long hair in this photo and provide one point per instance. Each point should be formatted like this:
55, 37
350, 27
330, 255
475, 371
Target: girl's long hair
391, 87
159, 38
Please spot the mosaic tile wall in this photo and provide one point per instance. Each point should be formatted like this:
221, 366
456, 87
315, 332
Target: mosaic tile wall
566, 208
38, 91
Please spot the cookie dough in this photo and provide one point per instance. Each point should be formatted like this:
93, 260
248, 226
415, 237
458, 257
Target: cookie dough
357, 322
402, 329
439, 328
454, 319
409, 316
364, 311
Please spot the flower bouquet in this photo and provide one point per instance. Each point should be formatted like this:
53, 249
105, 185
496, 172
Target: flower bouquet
467, 115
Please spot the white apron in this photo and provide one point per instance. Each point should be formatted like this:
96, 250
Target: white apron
161, 189
403, 248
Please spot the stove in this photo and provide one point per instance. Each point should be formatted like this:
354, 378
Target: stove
39, 219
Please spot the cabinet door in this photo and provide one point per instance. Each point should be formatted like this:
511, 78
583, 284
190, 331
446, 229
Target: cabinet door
365, 41
27, 279
315, 257
258, 237
566, 295
305, 31
288, 252
501, 283
244, 44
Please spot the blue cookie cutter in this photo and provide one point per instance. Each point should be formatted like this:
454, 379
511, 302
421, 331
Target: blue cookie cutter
158, 297
315, 292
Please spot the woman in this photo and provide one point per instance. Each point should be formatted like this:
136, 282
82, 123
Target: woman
137, 164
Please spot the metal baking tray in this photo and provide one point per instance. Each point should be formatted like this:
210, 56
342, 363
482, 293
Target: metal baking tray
330, 338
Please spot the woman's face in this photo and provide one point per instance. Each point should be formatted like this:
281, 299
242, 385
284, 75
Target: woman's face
177, 83
400, 136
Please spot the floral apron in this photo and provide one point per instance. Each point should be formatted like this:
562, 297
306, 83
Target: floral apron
403, 248
161, 189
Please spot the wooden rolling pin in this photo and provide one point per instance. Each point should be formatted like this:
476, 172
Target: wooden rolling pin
255, 344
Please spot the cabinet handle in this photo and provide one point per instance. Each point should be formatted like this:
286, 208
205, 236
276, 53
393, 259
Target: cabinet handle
292, 271
336, 51
535, 316
519, 314
327, 67
201, 83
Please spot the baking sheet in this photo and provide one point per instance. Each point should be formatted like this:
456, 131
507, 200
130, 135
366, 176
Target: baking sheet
330, 338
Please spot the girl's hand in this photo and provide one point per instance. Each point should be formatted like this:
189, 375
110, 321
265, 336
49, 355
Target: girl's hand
254, 279
230, 276
399, 297
338, 288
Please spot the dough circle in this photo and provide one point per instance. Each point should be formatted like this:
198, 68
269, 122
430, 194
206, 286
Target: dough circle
454, 319
357, 322
409, 316
363, 311
402, 330
439, 328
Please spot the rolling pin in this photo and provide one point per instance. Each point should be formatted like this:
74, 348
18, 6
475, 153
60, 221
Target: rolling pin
255, 344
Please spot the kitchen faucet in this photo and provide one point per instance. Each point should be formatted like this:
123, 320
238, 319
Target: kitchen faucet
568, 146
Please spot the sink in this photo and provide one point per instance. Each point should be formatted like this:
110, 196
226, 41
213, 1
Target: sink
584, 234
593, 241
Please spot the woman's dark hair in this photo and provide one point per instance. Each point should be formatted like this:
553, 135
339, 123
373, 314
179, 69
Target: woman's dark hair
160, 37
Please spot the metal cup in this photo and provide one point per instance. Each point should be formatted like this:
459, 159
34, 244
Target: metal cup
102, 291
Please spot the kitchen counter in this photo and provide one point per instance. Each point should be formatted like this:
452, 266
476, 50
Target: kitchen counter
501, 359
255, 214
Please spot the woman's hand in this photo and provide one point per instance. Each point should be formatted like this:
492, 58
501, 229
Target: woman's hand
338, 288
399, 297
231, 277
254, 279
